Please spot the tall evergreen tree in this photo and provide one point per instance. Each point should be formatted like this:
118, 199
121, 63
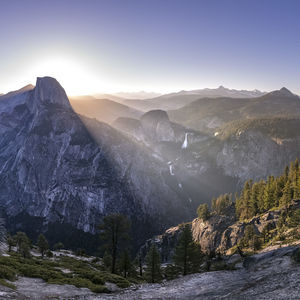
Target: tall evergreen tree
287, 194
125, 263
153, 269
114, 233
203, 212
11, 242
23, 244
254, 199
187, 254
42, 244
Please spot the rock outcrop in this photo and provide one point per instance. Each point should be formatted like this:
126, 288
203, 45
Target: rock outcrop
165, 243
216, 235
220, 233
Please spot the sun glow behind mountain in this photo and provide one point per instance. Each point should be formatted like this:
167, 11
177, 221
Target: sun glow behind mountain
76, 78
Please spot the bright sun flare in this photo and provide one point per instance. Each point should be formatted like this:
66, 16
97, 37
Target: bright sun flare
75, 78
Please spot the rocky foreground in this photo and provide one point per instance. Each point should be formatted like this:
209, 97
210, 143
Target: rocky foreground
268, 275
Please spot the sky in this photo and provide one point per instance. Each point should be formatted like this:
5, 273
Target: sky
95, 46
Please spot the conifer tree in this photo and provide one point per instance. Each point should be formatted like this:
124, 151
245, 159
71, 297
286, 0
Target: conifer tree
254, 199
153, 269
220, 204
287, 194
107, 259
187, 254
125, 263
11, 242
114, 233
23, 244
42, 244
203, 212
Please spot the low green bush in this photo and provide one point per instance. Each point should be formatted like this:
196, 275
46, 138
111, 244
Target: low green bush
7, 273
82, 273
7, 284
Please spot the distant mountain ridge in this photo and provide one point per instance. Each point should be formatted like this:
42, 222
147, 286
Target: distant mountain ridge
104, 110
182, 98
209, 114
137, 95
221, 91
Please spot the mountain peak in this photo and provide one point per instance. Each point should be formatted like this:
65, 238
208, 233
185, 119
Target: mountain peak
283, 92
286, 91
49, 91
156, 115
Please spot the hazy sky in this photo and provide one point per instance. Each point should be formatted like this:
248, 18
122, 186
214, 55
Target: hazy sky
163, 45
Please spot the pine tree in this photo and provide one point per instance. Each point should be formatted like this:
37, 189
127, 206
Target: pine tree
125, 263
220, 204
245, 202
187, 254
286, 174
268, 197
11, 242
42, 244
203, 212
114, 233
256, 242
287, 194
107, 260
254, 199
249, 235
23, 244
153, 269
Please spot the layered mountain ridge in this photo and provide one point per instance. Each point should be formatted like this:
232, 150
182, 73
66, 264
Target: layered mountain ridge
65, 171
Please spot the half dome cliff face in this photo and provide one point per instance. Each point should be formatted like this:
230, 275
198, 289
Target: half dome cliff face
49, 91
59, 168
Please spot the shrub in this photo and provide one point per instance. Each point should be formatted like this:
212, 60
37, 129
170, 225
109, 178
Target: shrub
7, 284
171, 272
49, 253
7, 273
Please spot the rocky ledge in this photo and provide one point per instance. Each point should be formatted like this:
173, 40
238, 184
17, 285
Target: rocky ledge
268, 275
218, 234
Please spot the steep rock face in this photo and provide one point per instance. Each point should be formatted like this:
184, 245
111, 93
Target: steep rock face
218, 234
189, 155
250, 154
165, 243
157, 126
64, 169
48, 91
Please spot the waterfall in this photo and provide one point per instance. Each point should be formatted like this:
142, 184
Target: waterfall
185, 143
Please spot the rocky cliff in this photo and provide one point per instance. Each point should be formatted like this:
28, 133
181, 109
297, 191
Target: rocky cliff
57, 168
218, 234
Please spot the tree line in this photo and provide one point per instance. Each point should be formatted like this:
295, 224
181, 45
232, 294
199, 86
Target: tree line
259, 197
